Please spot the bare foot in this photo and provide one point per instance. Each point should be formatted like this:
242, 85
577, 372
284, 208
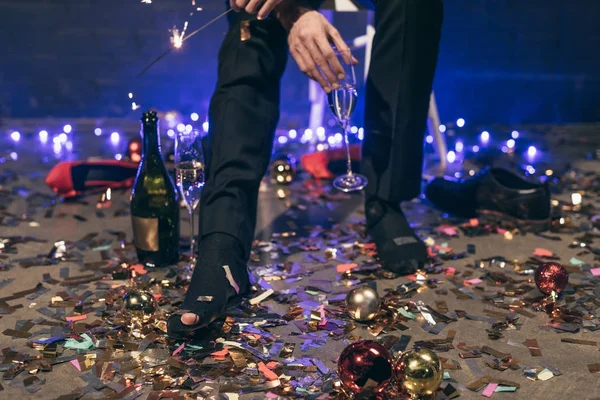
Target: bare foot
189, 319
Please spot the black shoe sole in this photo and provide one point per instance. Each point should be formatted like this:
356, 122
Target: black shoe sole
526, 225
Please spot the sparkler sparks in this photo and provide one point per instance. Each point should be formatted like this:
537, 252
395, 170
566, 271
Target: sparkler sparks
177, 37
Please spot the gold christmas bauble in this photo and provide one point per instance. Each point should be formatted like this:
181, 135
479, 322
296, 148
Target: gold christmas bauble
419, 372
139, 305
363, 303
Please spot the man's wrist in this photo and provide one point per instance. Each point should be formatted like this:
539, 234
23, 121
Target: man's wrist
288, 11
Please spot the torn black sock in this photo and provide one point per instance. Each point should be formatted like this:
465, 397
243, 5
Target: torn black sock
399, 249
220, 277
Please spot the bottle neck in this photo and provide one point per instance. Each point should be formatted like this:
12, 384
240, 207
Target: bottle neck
151, 147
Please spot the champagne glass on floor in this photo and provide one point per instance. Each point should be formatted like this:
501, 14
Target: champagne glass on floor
189, 168
342, 103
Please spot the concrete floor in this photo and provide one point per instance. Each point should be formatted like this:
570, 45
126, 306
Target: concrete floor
576, 381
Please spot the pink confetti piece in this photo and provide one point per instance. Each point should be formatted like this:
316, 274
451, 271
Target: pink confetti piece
76, 318
179, 349
341, 268
76, 365
542, 252
449, 271
220, 354
138, 269
474, 281
595, 271
447, 230
270, 375
323, 321
489, 390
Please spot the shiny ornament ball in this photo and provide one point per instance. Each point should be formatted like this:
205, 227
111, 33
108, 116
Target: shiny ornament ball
551, 277
365, 365
139, 305
419, 372
283, 169
363, 303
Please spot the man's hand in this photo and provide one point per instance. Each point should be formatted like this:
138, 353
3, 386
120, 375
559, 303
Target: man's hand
260, 7
310, 41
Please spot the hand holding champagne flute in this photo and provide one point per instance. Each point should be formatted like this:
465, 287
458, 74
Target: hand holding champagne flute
342, 102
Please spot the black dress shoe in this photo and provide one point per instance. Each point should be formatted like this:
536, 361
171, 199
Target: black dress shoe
494, 193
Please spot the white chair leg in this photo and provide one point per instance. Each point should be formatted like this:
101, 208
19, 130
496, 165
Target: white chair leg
434, 130
316, 95
369, 44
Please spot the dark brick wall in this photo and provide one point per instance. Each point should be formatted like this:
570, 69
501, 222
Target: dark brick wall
501, 60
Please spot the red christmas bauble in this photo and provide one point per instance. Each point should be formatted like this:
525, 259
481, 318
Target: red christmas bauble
365, 365
551, 277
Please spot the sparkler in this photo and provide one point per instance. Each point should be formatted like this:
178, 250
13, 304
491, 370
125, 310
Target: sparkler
183, 39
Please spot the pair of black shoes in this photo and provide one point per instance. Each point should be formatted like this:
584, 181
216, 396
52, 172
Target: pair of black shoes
495, 194
220, 279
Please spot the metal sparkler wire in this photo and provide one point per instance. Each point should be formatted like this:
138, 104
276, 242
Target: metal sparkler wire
163, 55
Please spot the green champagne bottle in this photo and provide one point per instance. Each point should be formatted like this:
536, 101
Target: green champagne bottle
154, 203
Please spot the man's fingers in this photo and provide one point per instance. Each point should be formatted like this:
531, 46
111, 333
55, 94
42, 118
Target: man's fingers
266, 9
240, 4
340, 44
252, 6
233, 4
333, 64
308, 66
320, 62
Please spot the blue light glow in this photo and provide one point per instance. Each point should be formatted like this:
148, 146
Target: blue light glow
451, 157
115, 138
43, 136
485, 136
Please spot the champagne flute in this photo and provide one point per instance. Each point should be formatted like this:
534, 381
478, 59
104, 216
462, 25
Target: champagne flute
189, 168
342, 103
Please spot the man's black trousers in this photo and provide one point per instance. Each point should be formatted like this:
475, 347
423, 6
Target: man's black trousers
244, 111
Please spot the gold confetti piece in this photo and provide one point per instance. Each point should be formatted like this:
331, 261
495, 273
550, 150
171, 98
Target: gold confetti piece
258, 299
245, 33
533, 347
